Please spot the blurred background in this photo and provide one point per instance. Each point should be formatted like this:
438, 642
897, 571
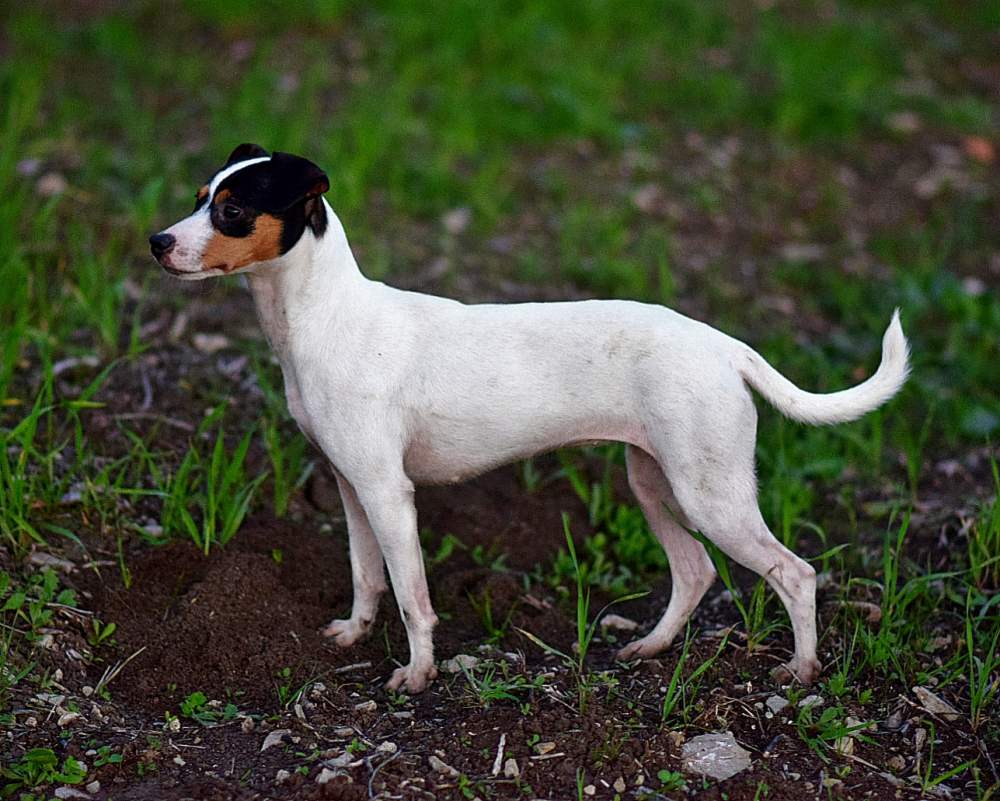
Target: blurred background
773, 168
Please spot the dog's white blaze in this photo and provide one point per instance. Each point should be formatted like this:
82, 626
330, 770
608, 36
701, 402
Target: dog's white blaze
224, 173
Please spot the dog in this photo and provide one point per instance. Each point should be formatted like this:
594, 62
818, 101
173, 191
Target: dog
399, 388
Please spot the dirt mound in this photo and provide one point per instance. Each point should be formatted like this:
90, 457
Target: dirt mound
228, 624
245, 620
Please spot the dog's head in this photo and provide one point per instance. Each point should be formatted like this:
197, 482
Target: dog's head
253, 210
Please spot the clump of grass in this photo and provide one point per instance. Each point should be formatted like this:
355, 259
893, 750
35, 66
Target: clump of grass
983, 671
26, 607
209, 494
585, 628
682, 692
40, 767
621, 551
290, 469
496, 628
490, 684
984, 539
197, 707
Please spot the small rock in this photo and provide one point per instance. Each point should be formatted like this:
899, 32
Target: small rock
895, 781
618, 623
441, 766
896, 763
904, 122
935, 704
460, 661
31, 722
67, 718
974, 287
210, 343
179, 760
282, 776
919, 739
368, 706
173, 725
590, 790
648, 198
456, 220
247, 725
895, 720
274, 738
94, 787
28, 167
544, 748
511, 769
805, 252
405, 714
809, 701
87, 691
717, 756
51, 184
341, 761
856, 724
48, 560
344, 731
68, 792
326, 775
387, 747
619, 785
776, 703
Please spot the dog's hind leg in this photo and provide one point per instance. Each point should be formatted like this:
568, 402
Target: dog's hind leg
718, 497
367, 571
691, 570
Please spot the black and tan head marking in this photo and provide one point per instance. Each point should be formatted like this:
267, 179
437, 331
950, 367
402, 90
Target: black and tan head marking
254, 209
260, 211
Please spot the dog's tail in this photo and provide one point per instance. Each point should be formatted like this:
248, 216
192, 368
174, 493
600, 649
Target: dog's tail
836, 407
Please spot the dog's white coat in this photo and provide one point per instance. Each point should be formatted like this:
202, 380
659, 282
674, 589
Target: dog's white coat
399, 388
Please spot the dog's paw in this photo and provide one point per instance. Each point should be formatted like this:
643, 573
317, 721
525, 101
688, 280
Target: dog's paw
640, 649
804, 672
411, 678
347, 632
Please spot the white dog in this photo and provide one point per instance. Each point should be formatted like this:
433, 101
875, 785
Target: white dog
398, 388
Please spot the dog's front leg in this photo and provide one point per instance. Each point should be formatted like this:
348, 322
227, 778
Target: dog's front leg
388, 502
367, 572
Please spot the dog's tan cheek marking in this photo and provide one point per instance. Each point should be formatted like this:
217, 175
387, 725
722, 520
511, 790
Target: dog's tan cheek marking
228, 253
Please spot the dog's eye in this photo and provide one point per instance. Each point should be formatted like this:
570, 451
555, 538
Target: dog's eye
231, 212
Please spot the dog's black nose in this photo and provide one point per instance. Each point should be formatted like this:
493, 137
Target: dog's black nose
160, 244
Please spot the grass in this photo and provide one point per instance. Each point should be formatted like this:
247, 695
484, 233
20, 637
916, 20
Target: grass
586, 629
544, 121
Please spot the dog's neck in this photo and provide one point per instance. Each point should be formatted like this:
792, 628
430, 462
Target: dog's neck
315, 271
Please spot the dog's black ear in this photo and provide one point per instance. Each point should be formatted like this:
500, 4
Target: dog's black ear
246, 151
293, 179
